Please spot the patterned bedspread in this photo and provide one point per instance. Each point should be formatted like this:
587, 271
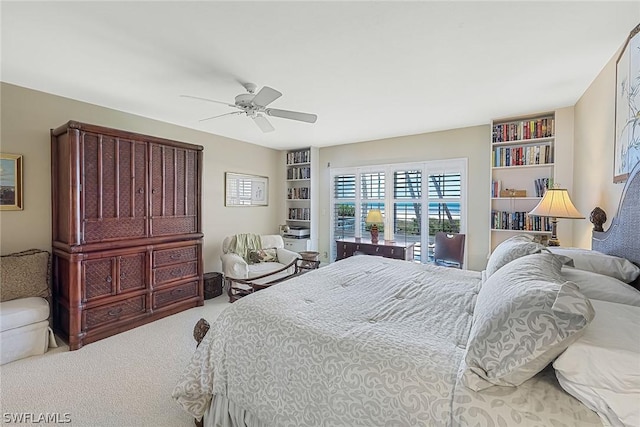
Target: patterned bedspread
366, 341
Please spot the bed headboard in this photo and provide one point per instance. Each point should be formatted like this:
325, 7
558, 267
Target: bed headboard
622, 238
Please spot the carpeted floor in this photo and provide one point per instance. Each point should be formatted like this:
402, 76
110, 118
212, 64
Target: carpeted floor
122, 381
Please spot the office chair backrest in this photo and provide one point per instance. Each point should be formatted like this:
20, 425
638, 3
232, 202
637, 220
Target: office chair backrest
449, 249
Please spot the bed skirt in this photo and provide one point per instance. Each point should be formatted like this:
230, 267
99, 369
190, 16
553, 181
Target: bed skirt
225, 413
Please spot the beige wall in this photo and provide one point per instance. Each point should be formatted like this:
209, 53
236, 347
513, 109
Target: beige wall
471, 143
25, 120
26, 117
593, 154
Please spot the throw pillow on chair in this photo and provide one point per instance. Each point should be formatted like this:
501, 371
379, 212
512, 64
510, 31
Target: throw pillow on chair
263, 255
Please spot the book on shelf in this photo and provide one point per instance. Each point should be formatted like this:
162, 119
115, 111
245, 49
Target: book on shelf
519, 221
541, 185
524, 129
523, 155
298, 157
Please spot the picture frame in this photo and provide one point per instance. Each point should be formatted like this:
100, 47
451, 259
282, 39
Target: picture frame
244, 190
11, 197
627, 108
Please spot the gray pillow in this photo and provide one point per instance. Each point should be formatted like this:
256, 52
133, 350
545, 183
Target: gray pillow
525, 316
512, 248
24, 274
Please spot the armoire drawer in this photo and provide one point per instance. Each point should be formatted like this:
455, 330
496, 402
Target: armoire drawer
175, 255
172, 273
94, 317
176, 293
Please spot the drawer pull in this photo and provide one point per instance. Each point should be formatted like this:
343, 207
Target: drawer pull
140, 190
176, 291
115, 311
154, 191
175, 256
176, 273
377, 249
108, 279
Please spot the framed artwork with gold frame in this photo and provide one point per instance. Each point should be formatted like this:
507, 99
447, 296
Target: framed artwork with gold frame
11, 182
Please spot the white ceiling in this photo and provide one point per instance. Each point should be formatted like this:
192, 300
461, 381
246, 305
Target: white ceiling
369, 70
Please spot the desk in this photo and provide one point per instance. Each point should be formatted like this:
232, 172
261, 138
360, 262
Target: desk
389, 249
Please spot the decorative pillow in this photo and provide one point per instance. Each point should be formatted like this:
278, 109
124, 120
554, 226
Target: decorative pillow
263, 255
512, 248
600, 287
525, 315
601, 368
609, 265
24, 274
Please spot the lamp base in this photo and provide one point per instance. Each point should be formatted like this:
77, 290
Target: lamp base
553, 240
374, 233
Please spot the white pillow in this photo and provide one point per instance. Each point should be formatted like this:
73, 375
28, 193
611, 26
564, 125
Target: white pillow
601, 287
609, 265
509, 250
601, 367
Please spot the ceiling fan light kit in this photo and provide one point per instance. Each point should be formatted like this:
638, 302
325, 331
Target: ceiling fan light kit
254, 104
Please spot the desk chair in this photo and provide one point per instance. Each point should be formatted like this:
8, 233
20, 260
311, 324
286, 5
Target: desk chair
449, 249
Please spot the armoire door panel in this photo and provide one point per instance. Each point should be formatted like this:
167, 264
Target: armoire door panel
114, 194
99, 278
131, 272
174, 190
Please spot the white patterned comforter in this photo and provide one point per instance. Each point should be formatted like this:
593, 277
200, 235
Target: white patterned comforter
366, 341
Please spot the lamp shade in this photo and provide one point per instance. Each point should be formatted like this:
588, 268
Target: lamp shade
556, 204
374, 217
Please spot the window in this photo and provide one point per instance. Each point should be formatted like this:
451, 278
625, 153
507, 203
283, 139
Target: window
407, 192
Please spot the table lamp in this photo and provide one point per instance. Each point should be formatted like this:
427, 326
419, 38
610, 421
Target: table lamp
556, 204
374, 217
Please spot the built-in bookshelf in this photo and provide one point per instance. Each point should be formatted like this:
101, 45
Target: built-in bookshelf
301, 198
522, 168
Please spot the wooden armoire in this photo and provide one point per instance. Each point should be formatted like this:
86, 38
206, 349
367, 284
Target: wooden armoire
127, 235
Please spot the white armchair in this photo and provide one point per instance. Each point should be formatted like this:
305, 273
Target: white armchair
235, 267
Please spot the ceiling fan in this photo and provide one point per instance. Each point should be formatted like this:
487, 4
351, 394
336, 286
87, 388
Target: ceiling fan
254, 105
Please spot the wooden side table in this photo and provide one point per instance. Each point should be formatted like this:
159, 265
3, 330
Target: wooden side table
310, 260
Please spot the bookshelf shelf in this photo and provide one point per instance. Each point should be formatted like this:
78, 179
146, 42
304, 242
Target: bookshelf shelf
542, 165
516, 198
499, 230
546, 140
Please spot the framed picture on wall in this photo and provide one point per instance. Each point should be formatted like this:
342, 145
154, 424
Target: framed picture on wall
627, 116
246, 190
10, 182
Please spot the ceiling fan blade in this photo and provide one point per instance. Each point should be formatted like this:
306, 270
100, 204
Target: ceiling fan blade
209, 100
220, 115
263, 123
293, 115
266, 96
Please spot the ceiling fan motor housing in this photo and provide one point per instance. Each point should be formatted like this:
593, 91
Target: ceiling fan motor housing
245, 100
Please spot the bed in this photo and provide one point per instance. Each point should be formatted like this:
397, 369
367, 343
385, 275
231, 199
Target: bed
371, 341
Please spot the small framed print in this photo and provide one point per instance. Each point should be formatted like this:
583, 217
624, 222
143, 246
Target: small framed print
246, 190
11, 182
